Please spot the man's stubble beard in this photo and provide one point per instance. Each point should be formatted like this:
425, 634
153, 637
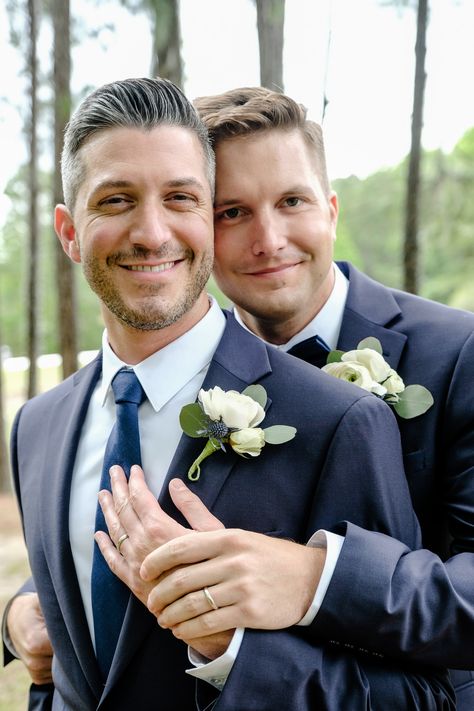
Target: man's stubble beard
152, 316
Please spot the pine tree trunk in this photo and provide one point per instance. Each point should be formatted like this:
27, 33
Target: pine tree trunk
411, 245
64, 267
166, 59
270, 26
33, 224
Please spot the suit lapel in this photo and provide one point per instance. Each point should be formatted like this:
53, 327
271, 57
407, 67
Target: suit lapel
370, 310
231, 371
65, 428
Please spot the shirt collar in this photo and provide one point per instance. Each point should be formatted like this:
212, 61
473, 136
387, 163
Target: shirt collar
165, 372
327, 322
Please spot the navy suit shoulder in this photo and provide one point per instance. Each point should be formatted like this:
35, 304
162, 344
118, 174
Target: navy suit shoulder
421, 604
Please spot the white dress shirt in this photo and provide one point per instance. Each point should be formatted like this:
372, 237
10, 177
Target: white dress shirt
170, 378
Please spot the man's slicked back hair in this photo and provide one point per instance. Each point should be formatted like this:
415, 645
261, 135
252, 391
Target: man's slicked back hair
249, 110
132, 103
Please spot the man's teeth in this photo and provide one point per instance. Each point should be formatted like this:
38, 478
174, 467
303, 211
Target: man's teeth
150, 268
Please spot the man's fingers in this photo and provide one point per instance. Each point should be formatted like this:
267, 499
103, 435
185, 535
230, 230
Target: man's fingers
142, 500
184, 550
192, 508
184, 586
27, 629
115, 561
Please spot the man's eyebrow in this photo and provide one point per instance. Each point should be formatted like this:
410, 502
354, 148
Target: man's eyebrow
185, 182
111, 184
121, 184
294, 190
223, 203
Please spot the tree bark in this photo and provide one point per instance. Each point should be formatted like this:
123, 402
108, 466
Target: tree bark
33, 224
411, 242
62, 105
166, 58
270, 26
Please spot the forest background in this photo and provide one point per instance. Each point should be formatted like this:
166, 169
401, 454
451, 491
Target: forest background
390, 81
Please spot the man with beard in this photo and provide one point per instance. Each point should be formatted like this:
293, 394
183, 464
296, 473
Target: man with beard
138, 177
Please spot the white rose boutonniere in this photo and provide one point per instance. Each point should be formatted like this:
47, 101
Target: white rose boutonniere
231, 418
367, 368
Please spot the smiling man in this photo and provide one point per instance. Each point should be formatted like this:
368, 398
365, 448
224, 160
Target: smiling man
275, 227
138, 179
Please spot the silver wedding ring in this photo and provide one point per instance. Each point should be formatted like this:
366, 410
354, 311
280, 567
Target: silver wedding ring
122, 538
210, 599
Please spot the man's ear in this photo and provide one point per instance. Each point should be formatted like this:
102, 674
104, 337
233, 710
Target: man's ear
66, 232
334, 211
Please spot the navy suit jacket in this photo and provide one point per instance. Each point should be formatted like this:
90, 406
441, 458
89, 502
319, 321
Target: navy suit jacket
416, 605
345, 462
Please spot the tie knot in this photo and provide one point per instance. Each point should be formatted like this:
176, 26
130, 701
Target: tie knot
127, 388
313, 350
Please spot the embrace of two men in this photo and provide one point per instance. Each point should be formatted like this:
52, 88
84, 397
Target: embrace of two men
297, 579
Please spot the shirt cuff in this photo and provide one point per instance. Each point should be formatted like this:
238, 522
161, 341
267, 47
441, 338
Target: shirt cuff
333, 544
215, 672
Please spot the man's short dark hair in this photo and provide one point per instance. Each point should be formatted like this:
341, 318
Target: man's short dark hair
248, 110
131, 103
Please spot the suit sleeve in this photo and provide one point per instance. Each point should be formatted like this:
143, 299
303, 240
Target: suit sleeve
363, 479
412, 604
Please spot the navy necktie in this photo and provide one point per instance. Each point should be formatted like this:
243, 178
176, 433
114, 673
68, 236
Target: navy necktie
313, 350
109, 595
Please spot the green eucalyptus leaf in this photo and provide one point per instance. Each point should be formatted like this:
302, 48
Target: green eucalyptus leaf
278, 434
413, 401
372, 343
193, 420
335, 357
257, 393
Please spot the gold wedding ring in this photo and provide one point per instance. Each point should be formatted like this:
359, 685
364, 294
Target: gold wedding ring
210, 599
122, 538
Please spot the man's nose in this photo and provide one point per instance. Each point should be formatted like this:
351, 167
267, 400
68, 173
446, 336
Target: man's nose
268, 235
151, 227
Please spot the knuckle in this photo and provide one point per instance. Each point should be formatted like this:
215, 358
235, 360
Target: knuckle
208, 622
176, 549
192, 604
114, 529
133, 497
181, 580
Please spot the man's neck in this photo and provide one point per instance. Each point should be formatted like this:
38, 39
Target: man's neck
275, 330
134, 345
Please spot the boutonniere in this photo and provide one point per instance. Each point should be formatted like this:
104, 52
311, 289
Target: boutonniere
230, 418
367, 368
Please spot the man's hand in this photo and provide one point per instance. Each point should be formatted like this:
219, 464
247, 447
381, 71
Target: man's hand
132, 509
255, 580
27, 630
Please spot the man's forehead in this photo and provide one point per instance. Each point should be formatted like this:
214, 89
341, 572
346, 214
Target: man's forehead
123, 138
120, 154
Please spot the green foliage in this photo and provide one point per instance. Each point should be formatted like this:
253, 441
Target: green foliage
279, 434
372, 216
257, 393
193, 420
372, 343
